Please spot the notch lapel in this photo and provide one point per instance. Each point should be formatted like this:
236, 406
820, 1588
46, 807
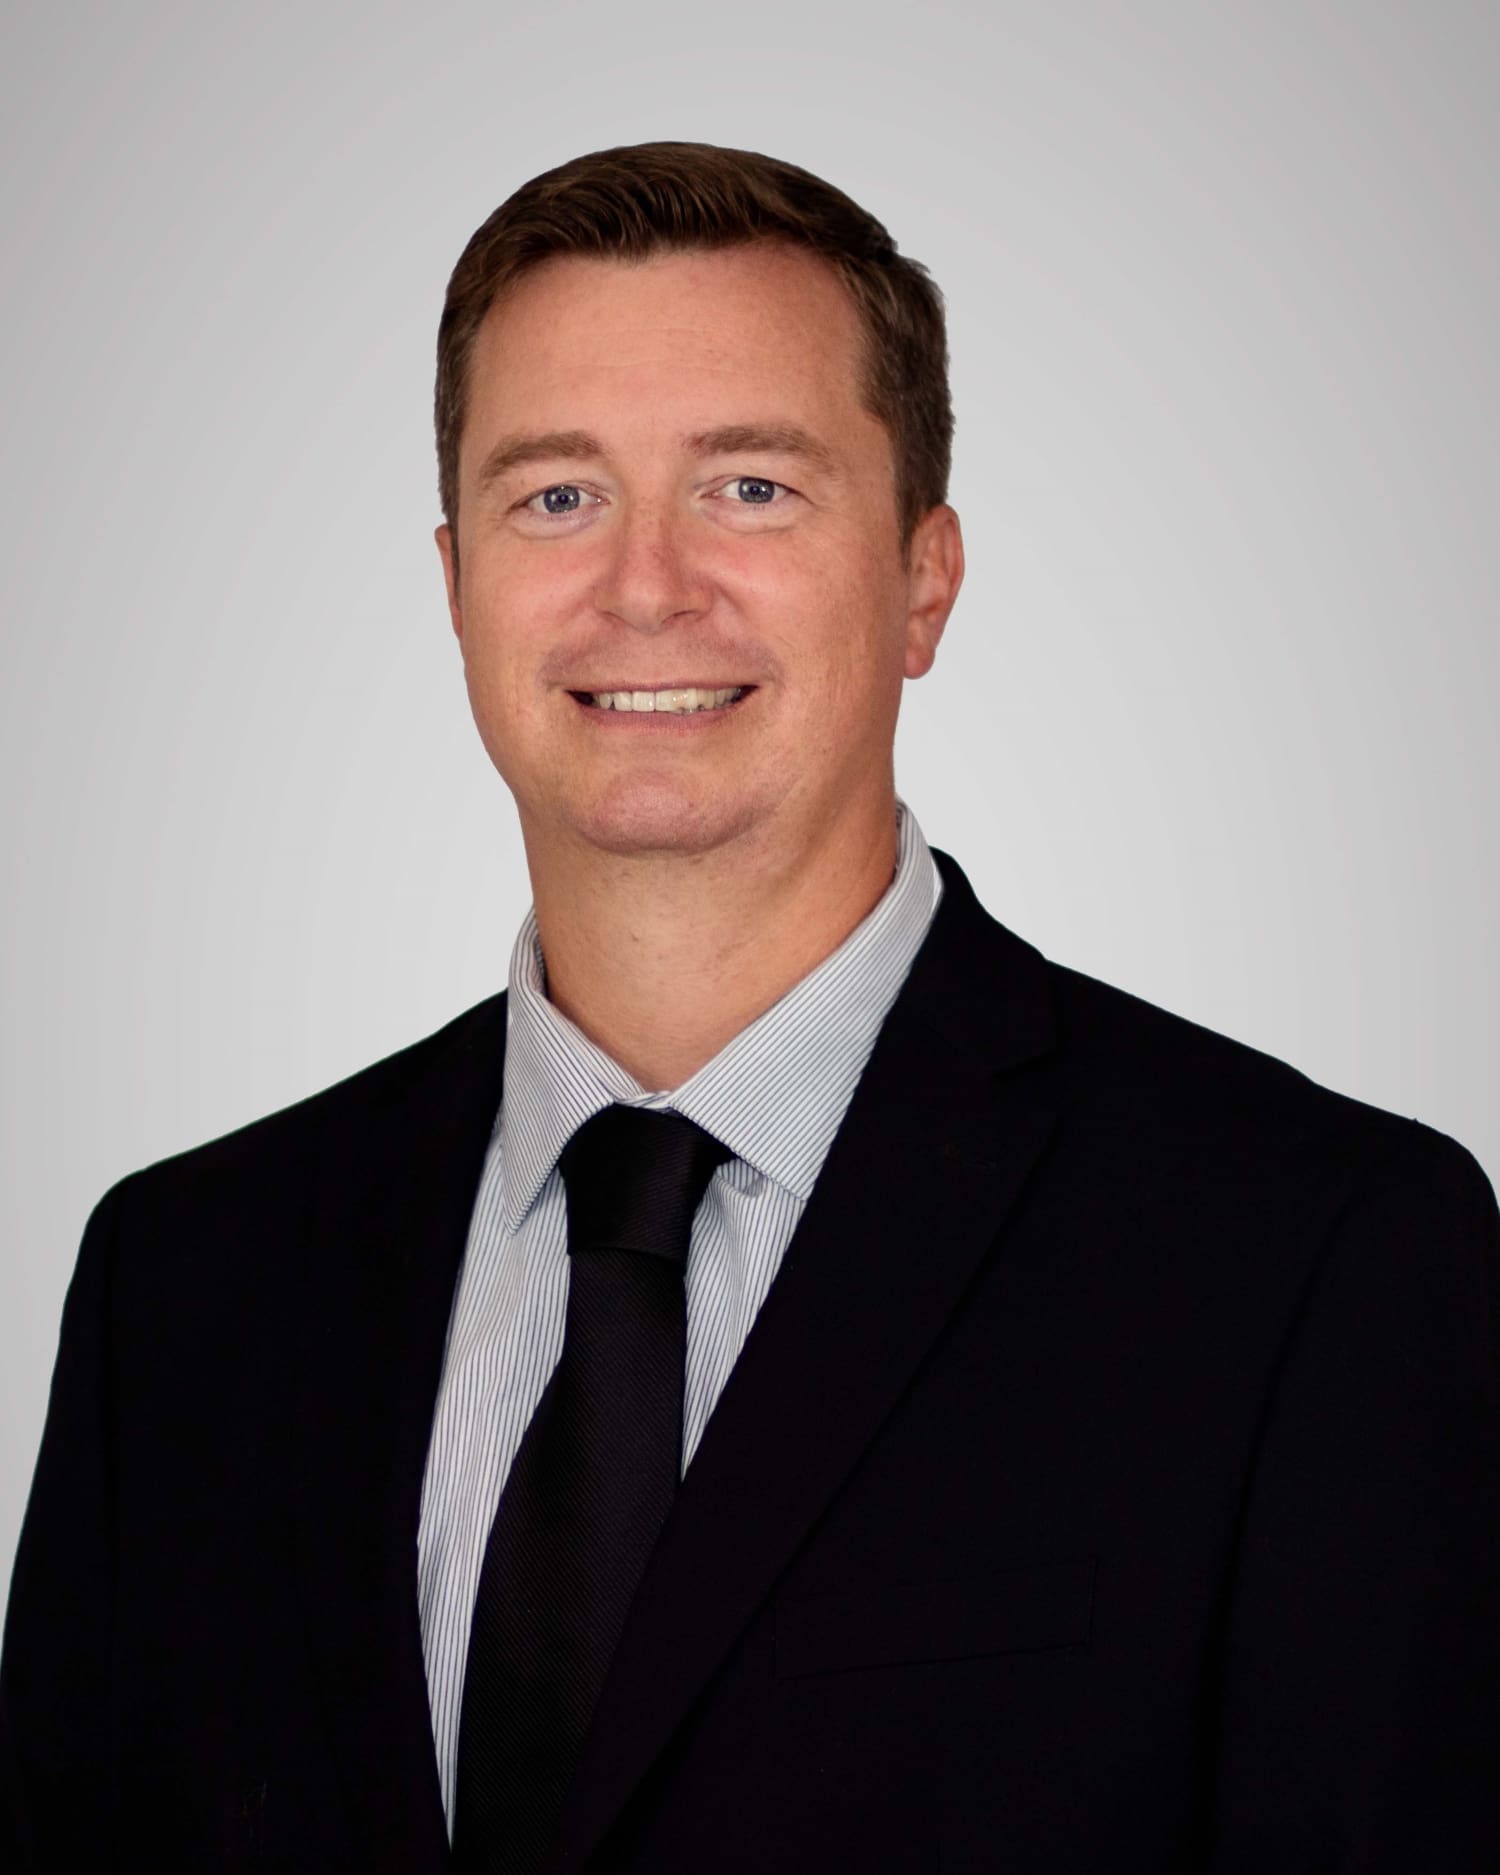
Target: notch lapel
395, 1188
875, 1268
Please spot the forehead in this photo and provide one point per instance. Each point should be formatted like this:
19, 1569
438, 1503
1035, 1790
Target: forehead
678, 335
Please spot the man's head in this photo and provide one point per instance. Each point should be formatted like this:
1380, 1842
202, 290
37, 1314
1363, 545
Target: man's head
693, 425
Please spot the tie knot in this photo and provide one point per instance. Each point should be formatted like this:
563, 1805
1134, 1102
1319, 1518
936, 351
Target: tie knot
634, 1179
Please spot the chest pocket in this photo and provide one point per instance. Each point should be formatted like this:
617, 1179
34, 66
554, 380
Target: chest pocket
1013, 1611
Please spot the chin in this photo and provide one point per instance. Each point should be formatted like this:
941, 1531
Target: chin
639, 817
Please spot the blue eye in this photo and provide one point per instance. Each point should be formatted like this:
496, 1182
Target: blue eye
562, 499
753, 489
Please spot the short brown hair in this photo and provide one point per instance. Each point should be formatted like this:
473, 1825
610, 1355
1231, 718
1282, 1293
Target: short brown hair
650, 198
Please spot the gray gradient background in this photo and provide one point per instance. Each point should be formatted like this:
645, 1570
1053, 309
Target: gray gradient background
1215, 717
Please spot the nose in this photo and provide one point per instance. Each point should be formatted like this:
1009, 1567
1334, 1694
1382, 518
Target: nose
652, 579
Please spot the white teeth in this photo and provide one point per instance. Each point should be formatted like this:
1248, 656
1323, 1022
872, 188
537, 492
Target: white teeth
673, 702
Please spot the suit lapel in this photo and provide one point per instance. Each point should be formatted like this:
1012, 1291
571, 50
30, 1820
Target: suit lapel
876, 1267
395, 1187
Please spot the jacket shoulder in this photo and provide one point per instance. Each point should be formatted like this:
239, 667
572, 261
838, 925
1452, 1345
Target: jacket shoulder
1153, 1101
276, 1144
1195, 1106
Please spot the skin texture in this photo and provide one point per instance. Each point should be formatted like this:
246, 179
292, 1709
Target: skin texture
687, 871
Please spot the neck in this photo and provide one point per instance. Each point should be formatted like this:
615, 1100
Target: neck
662, 958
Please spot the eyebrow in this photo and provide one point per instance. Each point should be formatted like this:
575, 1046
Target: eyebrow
512, 452
772, 439
729, 439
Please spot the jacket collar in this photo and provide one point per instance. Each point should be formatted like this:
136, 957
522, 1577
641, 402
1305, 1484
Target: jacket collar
396, 1174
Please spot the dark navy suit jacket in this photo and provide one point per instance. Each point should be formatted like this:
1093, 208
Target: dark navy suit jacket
1110, 1483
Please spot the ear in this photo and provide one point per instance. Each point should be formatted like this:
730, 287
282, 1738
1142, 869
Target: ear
935, 573
447, 547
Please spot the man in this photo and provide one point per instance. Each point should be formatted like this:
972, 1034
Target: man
802, 1381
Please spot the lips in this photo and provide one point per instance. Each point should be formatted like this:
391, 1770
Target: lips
665, 699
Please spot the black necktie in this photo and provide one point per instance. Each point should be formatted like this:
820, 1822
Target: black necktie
590, 1487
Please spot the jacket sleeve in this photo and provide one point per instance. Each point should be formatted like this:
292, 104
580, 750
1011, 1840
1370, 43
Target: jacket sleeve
55, 1679
1359, 1725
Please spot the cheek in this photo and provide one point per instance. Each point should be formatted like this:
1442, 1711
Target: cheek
500, 680
809, 595
510, 614
856, 634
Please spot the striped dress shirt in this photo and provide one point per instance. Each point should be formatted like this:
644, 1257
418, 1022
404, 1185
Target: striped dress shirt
775, 1095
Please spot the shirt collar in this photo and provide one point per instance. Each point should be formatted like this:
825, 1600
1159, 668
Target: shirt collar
775, 1094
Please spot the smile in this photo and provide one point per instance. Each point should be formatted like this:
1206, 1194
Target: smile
684, 700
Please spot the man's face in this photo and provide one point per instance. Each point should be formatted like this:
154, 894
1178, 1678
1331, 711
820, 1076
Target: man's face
668, 483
